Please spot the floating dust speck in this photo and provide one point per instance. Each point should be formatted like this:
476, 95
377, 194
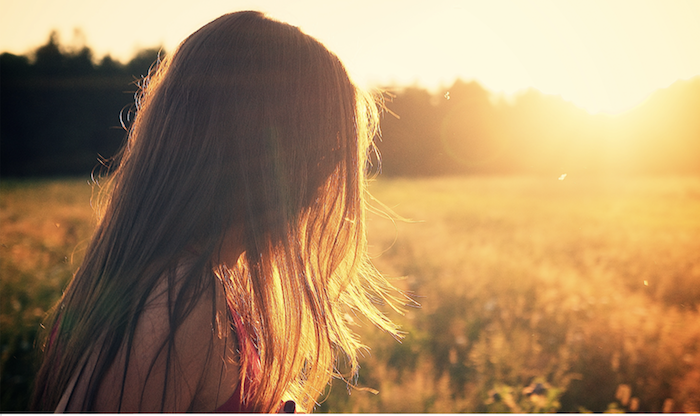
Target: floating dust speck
634, 404
447, 95
623, 394
562, 177
668, 406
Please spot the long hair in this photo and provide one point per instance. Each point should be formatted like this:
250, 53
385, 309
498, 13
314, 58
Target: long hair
252, 126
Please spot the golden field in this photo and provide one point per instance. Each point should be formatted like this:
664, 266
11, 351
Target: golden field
536, 294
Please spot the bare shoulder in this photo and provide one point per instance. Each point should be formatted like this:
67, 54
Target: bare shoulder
197, 371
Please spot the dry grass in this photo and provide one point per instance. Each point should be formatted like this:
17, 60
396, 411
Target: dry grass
43, 226
580, 285
536, 294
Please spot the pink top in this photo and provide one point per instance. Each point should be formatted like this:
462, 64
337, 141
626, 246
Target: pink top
237, 402
233, 404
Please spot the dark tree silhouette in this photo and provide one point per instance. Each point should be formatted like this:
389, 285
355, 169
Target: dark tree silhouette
463, 129
60, 114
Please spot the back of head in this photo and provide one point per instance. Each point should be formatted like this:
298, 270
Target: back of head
248, 117
250, 128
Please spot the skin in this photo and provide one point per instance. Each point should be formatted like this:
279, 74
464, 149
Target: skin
220, 373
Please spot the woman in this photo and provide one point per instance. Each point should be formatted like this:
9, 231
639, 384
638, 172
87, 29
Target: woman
232, 243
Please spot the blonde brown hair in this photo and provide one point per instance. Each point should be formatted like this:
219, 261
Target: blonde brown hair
251, 125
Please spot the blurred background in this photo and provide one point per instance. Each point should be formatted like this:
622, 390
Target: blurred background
545, 156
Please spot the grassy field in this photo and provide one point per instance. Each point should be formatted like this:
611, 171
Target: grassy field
536, 294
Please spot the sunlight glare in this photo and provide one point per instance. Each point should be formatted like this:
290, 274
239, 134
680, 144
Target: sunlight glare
602, 55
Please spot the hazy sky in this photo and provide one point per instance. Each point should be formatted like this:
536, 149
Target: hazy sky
604, 55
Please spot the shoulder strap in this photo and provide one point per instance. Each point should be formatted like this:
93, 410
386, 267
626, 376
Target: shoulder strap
63, 404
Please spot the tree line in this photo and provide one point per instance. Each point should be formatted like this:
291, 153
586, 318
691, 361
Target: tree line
466, 129
62, 112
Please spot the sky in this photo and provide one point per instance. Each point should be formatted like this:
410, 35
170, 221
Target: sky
602, 55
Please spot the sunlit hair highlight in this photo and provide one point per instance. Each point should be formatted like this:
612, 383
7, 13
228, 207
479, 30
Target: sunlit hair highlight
254, 127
